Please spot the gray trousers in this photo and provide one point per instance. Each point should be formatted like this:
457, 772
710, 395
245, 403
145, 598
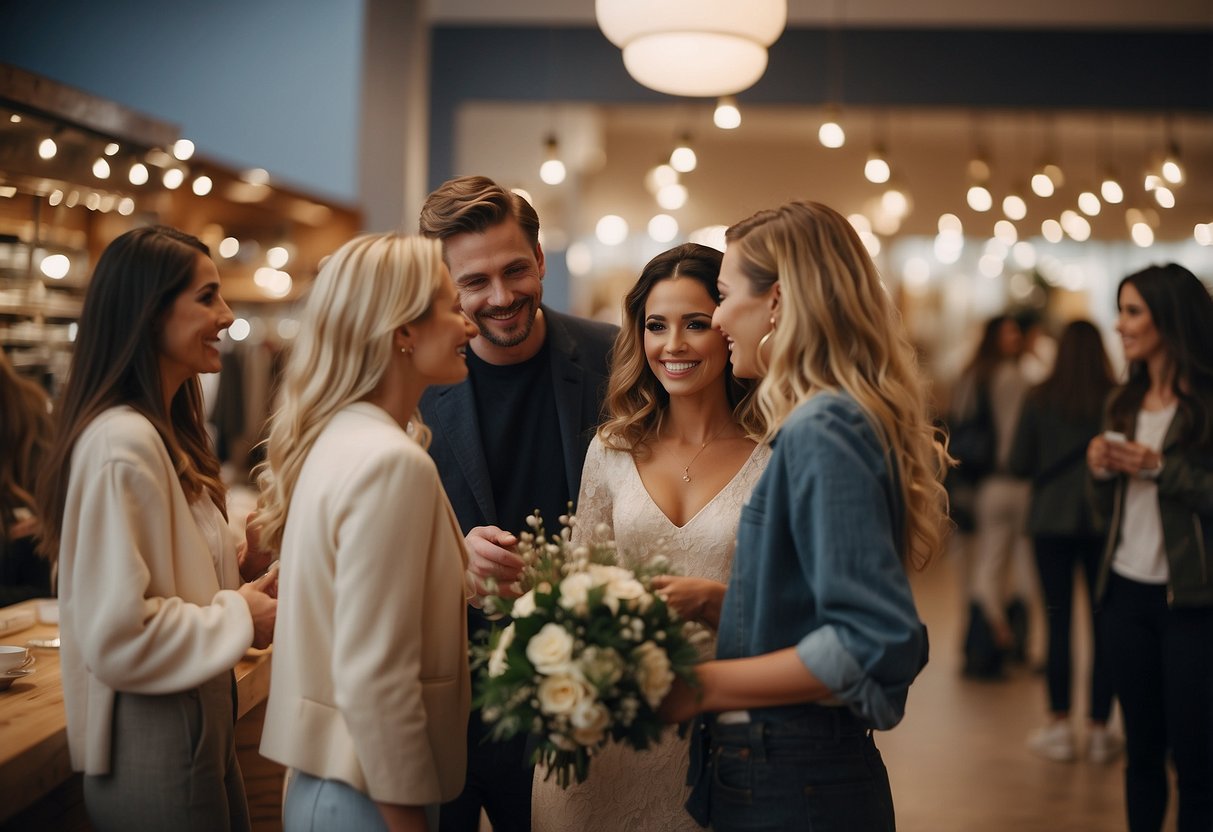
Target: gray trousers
173, 764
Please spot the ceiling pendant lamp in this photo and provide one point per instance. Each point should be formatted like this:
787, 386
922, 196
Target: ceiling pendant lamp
701, 48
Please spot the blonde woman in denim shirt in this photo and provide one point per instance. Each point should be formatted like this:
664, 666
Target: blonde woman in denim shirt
819, 638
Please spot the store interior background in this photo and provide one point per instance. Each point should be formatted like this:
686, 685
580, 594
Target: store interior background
369, 104
316, 118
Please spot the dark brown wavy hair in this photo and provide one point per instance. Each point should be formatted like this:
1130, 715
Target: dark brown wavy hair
1183, 315
116, 361
25, 435
636, 401
1081, 379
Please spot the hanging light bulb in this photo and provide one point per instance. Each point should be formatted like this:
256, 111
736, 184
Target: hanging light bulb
552, 170
831, 134
1088, 203
47, 149
1111, 191
101, 168
1014, 207
683, 158
1172, 171
877, 170
138, 174
979, 198
1042, 185
1164, 196
727, 116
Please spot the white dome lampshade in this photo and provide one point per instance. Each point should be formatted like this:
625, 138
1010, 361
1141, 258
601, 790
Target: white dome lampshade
703, 48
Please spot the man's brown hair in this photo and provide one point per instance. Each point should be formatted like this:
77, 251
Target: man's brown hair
475, 203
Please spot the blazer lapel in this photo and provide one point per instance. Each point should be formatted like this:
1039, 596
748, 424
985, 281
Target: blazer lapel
568, 385
456, 408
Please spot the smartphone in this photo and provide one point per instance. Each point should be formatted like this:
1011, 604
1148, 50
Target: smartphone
1114, 436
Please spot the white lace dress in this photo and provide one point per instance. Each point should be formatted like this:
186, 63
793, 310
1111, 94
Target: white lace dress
629, 789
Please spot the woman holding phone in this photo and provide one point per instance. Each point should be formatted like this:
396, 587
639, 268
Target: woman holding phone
1153, 472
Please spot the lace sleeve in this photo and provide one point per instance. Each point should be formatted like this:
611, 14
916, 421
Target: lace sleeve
595, 503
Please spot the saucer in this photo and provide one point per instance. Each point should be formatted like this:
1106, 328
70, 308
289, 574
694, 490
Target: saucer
7, 678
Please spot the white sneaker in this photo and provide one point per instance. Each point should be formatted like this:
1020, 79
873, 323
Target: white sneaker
1103, 746
1054, 742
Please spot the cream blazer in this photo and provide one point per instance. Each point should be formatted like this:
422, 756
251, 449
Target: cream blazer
147, 605
370, 683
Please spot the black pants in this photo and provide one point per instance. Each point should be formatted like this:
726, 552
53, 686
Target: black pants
498, 779
1162, 670
1056, 559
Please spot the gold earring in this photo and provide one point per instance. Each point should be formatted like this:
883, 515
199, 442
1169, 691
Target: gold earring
406, 350
762, 342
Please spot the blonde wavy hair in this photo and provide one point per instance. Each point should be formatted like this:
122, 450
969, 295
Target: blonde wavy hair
365, 291
838, 330
636, 401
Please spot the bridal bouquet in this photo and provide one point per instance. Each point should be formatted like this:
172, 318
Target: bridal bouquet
589, 656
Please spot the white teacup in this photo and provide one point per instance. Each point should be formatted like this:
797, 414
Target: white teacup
13, 657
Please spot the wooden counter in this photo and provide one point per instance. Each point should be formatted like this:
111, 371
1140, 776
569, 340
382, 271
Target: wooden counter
34, 758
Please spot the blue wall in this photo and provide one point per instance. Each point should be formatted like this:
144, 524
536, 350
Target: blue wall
254, 83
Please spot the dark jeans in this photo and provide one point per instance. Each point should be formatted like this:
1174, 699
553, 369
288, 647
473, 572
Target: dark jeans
498, 779
1162, 670
1056, 559
821, 772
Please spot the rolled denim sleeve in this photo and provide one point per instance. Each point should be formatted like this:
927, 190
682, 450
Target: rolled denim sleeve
870, 644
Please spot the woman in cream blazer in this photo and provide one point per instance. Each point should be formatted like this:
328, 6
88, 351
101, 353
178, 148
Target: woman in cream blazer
370, 690
154, 612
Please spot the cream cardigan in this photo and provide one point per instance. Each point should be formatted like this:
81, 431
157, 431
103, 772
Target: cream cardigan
142, 609
370, 683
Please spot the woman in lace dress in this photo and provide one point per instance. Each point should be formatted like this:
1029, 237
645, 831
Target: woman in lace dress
673, 462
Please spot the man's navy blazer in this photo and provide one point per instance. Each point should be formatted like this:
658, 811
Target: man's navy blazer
580, 353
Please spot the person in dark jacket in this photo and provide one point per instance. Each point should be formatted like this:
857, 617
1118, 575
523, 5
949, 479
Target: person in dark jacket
1153, 475
1059, 418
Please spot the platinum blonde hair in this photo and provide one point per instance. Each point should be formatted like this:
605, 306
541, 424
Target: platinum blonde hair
366, 290
838, 330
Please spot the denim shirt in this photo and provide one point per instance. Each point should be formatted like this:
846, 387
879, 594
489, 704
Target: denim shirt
818, 564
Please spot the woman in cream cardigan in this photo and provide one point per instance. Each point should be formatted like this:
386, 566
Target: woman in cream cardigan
154, 613
370, 691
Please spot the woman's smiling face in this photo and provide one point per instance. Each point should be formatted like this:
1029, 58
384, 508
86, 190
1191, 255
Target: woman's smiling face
683, 351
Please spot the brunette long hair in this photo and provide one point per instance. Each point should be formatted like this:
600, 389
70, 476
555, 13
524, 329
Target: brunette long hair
1183, 315
1081, 379
635, 400
25, 434
116, 362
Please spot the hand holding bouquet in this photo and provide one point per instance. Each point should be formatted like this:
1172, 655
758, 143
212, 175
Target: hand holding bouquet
590, 654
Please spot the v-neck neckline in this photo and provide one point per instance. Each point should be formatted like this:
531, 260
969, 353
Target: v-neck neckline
648, 495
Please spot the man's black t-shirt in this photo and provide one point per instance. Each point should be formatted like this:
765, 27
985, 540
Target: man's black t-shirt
520, 432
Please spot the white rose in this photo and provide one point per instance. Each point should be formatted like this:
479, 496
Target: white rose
575, 590
524, 606
550, 649
497, 662
590, 720
602, 667
628, 589
560, 694
653, 672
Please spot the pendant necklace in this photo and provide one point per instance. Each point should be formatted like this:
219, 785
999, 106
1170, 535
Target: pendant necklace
686, 471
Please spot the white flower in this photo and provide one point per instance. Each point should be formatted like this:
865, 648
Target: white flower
560, 694
590, 720
550, 649
653, 672
524, 605
497, 662
602, 667
575, 590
